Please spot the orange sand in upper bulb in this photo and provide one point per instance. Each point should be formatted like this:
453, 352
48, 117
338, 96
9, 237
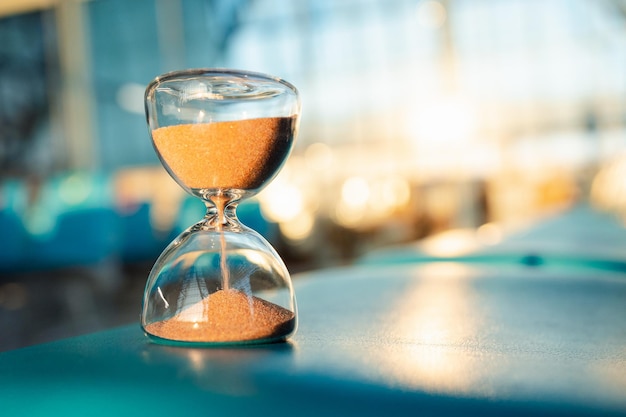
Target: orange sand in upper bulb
238, 154
227, 316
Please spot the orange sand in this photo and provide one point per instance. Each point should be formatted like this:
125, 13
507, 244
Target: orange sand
237, 155
227, 316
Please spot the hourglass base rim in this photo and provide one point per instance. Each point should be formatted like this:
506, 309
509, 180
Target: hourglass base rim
282, 338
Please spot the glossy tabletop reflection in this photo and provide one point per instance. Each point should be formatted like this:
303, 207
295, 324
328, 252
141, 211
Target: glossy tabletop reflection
434, 339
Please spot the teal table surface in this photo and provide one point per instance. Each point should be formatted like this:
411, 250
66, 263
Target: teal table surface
574, 237
431, 339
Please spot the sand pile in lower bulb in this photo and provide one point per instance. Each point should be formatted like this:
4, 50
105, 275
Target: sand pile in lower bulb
227, 316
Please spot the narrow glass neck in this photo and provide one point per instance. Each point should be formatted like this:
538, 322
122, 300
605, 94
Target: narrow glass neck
222, 217
221, 210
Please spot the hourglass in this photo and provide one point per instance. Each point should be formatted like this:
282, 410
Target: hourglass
222, 135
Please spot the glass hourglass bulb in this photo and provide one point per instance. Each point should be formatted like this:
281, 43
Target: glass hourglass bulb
222, 135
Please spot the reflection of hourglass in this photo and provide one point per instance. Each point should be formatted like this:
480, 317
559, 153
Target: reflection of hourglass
222, 135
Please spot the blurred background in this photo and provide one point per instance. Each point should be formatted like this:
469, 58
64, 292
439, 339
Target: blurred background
421, 119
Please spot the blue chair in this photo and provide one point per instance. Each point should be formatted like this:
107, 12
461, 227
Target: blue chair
73, 222
12, 232
139, 239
